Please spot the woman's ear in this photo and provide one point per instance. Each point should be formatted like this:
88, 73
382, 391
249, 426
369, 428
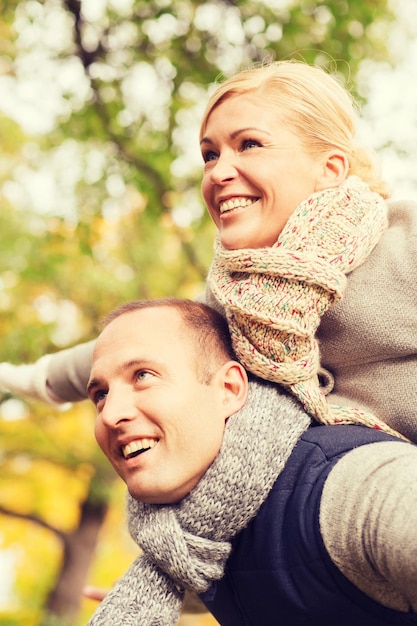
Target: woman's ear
335, 170
235, 387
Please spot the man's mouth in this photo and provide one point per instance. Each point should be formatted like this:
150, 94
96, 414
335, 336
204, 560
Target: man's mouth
134, 448
235, 203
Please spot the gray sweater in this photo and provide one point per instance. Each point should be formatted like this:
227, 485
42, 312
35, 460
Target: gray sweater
368, 341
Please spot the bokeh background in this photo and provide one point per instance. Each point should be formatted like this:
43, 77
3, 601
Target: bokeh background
100, 102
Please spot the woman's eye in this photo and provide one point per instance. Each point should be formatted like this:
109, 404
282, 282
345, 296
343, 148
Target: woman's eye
250, 143
209, 156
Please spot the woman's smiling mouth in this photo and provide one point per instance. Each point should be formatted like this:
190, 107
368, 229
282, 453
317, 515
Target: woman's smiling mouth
235, 203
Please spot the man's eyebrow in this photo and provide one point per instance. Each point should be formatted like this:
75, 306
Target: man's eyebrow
93, 384
236, 133
96, 381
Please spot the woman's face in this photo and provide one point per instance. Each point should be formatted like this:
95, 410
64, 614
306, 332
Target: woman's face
256, 172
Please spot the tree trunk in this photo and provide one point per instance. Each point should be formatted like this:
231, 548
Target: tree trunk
65, 599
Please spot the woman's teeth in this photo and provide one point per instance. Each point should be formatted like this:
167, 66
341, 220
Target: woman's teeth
235, 203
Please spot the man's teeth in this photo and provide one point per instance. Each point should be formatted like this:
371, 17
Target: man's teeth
135, 447
235, 203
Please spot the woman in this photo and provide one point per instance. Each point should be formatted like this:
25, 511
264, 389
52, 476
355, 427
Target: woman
298, 206
285, 180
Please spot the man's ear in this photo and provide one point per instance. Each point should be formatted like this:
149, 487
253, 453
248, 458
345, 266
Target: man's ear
235, 387
335, 170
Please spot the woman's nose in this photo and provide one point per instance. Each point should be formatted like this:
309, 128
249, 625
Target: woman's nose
223, 170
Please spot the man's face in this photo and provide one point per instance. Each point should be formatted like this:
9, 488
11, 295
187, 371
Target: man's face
158, 425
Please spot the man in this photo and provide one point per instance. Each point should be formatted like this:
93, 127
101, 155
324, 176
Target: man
162, 406
233, 496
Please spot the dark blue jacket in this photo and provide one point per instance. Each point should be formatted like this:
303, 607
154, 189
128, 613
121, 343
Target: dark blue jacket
279, 572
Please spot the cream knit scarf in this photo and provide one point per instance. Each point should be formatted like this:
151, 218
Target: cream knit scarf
275, 297
185, 546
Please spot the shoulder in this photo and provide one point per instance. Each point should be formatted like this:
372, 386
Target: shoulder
297, 492
324, 445
299, 488
402, 221
399, 239
400, 211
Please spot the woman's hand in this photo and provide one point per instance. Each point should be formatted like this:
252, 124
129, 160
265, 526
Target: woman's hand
95, 593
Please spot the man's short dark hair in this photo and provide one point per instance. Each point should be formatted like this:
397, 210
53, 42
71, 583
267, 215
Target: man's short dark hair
208, 329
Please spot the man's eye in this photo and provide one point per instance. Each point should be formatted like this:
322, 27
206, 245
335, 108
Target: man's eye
142, 375
99, 396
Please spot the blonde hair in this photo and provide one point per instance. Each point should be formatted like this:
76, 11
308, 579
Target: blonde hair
314, 103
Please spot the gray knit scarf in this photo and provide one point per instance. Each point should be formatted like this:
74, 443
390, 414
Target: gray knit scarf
186, 546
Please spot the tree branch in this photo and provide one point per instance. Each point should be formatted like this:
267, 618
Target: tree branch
36, 520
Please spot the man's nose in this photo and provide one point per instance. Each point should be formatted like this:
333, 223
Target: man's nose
118, 407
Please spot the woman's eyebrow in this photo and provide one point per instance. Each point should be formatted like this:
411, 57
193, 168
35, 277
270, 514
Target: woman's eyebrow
238, 132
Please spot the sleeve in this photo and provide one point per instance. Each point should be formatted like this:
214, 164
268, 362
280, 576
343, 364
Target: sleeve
368, 521
68, 372
54, 378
